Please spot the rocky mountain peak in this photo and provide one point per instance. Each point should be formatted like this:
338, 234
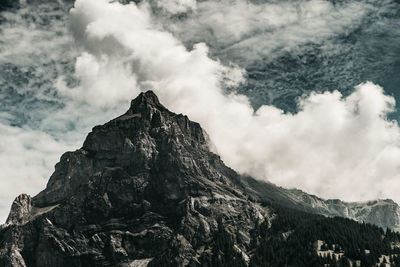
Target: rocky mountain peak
146, 136
146, 105
145, 190
146, 100
144, 186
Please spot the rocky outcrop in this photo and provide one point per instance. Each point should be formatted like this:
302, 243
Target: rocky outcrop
143, 190
20, 209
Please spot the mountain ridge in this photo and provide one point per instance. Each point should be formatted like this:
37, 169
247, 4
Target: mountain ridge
145, 189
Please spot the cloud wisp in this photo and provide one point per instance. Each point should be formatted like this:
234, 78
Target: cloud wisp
245, 31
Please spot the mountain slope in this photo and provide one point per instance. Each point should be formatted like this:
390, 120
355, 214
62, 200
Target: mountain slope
145, 190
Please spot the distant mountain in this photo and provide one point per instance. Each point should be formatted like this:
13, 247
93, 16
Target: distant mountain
384, 213
144, 190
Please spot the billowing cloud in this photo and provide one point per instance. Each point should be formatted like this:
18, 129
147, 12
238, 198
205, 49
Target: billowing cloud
332, 144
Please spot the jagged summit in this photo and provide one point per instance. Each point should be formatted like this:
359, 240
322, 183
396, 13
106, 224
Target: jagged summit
146, 99
145, 105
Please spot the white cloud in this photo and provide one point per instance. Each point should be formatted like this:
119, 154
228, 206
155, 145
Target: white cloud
27, 159
334, 146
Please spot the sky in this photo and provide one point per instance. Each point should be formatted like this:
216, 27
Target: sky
299, 93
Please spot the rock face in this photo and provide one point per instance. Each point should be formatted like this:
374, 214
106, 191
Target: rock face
143, 190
